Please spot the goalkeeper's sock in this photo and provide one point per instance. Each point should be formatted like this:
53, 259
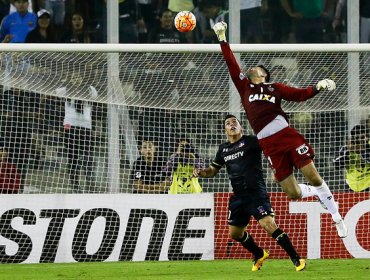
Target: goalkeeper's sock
248, 243
284, 241
327, 198
307, 190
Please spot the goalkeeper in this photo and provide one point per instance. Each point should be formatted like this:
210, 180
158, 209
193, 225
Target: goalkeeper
242, 157
284, 148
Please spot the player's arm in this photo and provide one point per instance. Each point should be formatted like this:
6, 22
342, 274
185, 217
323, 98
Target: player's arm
301, 94
212, 169
235, 71
208, 172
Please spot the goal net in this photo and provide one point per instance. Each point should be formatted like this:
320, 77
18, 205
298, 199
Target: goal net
91, 138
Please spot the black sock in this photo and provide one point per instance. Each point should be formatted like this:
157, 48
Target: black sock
283, 240
248, 243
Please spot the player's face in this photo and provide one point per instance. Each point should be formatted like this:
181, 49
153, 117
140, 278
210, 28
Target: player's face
232, 127
256, 75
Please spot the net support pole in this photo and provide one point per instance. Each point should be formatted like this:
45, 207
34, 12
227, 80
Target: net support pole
353, 30
234, 35
113, 115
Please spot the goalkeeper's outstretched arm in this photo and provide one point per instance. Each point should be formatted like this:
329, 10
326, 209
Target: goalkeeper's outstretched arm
220, 29
235, 71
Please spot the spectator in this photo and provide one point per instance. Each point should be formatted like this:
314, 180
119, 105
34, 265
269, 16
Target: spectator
17, 125
179, 168
364, 19
4, 9
10, 179
77, 31
130, 22
57, 9
149, 12
180, 5
213, 12
309, 17
250, 21
79, 137
280, 23
355, 158
17, 25
31, 7
44, 31
146, 173
166, 32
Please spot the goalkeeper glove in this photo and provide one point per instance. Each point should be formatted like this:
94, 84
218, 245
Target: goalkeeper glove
220, 29
326, 84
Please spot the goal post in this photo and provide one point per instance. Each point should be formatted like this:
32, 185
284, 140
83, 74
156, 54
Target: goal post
73, 121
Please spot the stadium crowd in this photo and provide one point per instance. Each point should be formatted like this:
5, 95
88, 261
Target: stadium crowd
262, 21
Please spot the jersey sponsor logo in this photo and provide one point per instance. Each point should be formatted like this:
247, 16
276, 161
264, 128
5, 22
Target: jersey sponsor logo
233, 156
262, 97
303, 149
225, 150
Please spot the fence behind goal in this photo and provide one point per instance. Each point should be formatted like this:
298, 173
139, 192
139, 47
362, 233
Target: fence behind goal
73, 119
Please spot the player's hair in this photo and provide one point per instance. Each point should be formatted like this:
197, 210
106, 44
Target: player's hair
228, 116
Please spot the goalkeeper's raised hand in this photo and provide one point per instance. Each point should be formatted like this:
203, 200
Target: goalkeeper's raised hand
220, 29
326, 84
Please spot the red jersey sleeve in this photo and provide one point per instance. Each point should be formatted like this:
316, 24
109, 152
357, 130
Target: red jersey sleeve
295, 94
240, 81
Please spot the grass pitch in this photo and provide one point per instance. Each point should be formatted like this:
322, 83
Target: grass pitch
228, 269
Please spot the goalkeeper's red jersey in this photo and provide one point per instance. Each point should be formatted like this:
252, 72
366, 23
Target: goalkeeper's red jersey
262, 102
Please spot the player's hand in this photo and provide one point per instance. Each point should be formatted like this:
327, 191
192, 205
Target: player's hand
326, 84
220, 29
196, 172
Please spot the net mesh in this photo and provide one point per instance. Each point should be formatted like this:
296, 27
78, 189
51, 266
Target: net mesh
56, 126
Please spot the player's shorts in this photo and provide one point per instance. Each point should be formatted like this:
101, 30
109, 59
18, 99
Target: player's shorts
242, 208
285, 150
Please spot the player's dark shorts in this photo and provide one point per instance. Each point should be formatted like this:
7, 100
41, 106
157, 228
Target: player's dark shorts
285, 150
242, 208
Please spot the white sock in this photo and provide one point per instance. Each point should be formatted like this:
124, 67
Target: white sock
307, 190
325, 195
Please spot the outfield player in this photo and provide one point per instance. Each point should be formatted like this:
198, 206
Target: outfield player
282, 145
242, 157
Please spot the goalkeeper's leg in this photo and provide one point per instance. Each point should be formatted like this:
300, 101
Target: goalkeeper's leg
326, 197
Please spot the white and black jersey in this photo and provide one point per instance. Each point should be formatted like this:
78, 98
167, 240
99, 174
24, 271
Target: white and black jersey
243, 164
